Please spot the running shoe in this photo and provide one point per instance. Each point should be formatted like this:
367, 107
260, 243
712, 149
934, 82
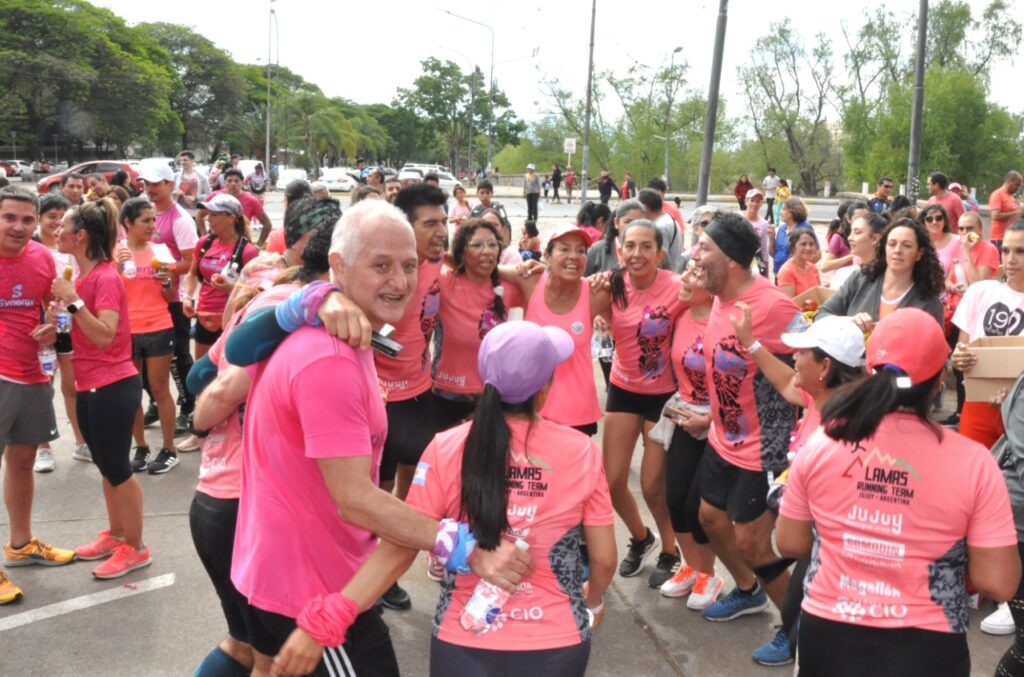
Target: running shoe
396, 598
637, 554
8, 591
737, 603
188, 445
124, 560
776, 652
152, 415
182, 424
164, 462
999, 622
705, 591
141, 459
666, 565
82, 453
102, 546
36, 552
45, 461
435, 570
680, 583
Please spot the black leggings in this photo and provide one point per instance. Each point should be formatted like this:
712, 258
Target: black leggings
1012, 663
451, 659
106, 416
833, 649
212, 522
682, 483
792, 601
531, 206
182, 357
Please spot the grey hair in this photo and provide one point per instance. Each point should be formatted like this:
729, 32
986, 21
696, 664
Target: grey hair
359, 225
626, 206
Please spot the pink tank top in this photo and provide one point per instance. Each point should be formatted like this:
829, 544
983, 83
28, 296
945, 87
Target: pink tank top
573, 397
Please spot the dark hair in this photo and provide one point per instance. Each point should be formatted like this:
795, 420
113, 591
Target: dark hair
459, 242
796, 207
658, 184
592, 212
233, 172
794, 236
883, 179
839, 373
485, 185
484, 500
99, 220
771, 169
120, 178
316, 252
69, 176
927, 274
131, 210
499, 211
295, 189
187, 153
531, 228
611, 230
19, 194
309, 213
876, 222
618, 276
901, 202
842, 224
51, 201
432, 177
363, 192
417, 195
939, 179
119, 193
236, 155
854, 412
946, 225
650, 198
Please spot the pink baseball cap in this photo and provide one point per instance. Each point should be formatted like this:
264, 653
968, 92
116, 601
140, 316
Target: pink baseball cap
567, 229
910, 341
752, 193
955, 186
518, 358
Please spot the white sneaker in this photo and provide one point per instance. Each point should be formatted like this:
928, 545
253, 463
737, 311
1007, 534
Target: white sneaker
82, 453
705, 591
999, 622
45, 462
190, 443
680, 583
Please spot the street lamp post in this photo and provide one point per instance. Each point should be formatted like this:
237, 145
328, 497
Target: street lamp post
271, 22
490, 91
472, 109
668, 108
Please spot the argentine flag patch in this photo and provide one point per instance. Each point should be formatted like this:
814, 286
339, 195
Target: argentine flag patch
420, 477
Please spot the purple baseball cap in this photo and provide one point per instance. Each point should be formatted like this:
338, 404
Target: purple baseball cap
519, 358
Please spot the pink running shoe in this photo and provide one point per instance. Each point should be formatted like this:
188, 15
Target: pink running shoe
102, 546
124, 560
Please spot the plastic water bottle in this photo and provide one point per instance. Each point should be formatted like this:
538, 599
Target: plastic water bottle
128, 268
230, 273
48, 360
485, 604
63, 320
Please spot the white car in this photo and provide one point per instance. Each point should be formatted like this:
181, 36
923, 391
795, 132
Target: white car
411, 175
338, 179
286, 175
20, 167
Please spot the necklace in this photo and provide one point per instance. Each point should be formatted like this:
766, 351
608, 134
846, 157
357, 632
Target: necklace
898, 298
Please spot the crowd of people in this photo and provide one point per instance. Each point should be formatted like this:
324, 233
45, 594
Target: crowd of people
791, 447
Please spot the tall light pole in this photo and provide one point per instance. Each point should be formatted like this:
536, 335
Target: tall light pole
704, 178
914, 161
472, 108
668, 106
490, 91
586, 120
271, 21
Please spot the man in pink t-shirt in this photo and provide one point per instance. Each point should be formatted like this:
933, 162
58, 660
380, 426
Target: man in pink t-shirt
310, 507
26, 397
1004, 206
750, 420
252, 208
937, 185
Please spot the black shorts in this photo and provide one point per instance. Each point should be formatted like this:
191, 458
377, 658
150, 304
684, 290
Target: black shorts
205, 336
741, 493
412, 423
627, 402
63, 345
106, 416
367, 650
212, 522
682, 483
448, 659
153, 344
588, 429
451, 413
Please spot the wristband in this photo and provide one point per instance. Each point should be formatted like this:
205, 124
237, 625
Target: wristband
753, 347
327, 618
597, 609
301, 308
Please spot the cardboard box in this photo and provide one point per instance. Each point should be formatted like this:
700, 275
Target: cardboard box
1000, 362
818, 294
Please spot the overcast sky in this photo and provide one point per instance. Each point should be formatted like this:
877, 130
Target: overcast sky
364, 51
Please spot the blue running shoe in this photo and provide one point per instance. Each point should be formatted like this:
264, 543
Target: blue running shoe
737, 603
776, 652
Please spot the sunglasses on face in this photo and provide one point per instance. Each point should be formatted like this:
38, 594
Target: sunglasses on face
934, 219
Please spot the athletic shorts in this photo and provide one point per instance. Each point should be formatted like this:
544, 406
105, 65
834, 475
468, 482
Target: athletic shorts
205, 336
741, 493
448, 659
412, 423
588, 429
153, 344
106, 416
26, 414
63, 345
451, 413
367, 649
627, 402
212, 522
682, 483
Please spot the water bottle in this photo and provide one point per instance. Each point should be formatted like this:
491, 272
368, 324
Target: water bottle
128, 268
63, 320
485, 604
230, 273
48, 360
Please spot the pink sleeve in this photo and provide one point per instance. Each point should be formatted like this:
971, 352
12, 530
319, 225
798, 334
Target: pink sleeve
782, 317
185, 234
597, 511
256, 204
512, 297
428, 492
991, 520
835, 245
249, 253
332, 402
794, 496
989, 256
108, 294
787, 275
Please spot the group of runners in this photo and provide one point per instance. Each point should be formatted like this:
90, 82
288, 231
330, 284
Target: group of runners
470, 435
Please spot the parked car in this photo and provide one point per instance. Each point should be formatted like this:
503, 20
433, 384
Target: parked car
286, 175
17, 167
425, 168
107, 168
410, 176
338, 179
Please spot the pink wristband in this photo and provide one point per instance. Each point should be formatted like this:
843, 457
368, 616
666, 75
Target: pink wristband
327, 618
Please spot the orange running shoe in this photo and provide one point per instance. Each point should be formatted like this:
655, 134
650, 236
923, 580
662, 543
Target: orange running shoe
102, 546
124, 560
8, 591
36, 552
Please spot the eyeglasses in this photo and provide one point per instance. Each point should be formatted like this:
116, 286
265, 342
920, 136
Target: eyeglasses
933, 219
704, 224
479, 246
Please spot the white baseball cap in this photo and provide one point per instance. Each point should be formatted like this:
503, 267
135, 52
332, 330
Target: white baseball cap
838, 337
154, 172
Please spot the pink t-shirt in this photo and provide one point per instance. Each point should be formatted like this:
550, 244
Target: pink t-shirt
984, 253
315, 398
893, 517
176, 229
1000, 200
947, 253
275, 241
556, 483
802, 281
643, 331
147, 307
808, 424
220, 470
211, 299
25, 282
407, 375
838, 246
688, 359
990, 308
251, 205
750, 421
573, 397
953, 204
466, 316
102, 289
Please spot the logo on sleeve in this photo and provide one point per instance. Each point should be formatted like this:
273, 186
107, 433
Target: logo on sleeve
420, 478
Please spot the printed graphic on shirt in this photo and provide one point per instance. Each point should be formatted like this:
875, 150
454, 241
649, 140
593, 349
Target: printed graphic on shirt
1001, 321
428, 318
882, 476
564, 558
730, 369
489, 319
778, 421
695, 367
651, 334
947, 585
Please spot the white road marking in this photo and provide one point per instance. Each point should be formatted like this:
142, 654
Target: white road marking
85, 601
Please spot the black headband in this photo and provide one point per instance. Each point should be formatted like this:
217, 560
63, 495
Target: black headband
739, 244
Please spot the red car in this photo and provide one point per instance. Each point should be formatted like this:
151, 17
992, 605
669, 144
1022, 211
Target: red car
105, 167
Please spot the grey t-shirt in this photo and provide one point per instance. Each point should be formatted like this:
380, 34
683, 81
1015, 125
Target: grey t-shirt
1013, 421
671, 241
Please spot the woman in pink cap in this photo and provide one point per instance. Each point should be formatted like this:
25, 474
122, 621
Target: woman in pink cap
893, 513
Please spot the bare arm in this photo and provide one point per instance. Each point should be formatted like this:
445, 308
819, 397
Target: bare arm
603, 558
995, 572
778, 373
267, 227
829, 262
794, 538
224, 395
524, 275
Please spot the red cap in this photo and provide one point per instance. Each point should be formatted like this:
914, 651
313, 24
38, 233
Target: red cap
910, 340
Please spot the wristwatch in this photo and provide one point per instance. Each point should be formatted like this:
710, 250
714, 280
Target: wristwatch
76, 306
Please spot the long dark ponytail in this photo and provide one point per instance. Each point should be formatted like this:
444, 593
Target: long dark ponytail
485, 466
854, 411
